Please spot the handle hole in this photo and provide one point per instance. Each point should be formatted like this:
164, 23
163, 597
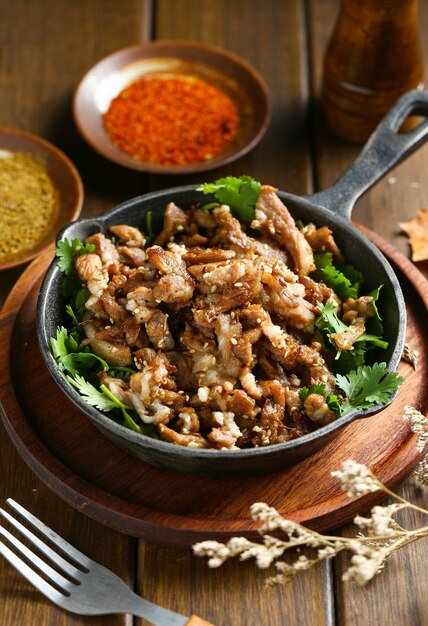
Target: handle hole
411, 122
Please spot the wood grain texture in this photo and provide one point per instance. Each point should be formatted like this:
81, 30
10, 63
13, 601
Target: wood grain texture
45, 48
258, 32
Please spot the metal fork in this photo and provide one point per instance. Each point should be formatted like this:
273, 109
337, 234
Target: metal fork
88, 588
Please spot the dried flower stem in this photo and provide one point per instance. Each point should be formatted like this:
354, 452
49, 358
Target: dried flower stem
369, 552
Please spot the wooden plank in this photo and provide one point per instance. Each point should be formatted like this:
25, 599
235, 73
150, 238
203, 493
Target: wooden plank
234, 594
398, 594
271, 36
46, 47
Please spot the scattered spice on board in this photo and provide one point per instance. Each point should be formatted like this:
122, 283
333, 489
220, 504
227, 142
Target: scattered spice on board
171, 120
28, 202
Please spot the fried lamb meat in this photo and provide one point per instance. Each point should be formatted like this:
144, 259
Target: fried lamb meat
274, 219
218, 324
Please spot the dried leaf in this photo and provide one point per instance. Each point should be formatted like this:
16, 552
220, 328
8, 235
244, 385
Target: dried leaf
417, 231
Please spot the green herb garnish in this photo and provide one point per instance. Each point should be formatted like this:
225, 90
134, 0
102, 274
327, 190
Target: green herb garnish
331, 399
240, 194
345, 280
149, 235
66, 252
329, 323
368, 385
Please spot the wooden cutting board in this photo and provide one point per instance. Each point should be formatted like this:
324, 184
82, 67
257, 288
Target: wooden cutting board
84, 468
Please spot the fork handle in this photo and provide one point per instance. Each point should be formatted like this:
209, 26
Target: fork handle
194, 620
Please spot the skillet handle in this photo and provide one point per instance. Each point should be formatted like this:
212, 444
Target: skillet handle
384, 149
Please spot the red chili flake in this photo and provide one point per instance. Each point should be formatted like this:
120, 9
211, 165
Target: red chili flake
171, 120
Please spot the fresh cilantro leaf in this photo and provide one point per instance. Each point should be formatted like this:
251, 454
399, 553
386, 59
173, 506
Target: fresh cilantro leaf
62, 344
345, 280
58, 343
240, 194
319, 388
374, 324
79, 301
368, 385
69, 355
329, 323
82, 362
70, 286
124, 373
333, 402
372, 339
328, 320
91, 394
349, 360
209, 206
67, 250
102, 399
71, 313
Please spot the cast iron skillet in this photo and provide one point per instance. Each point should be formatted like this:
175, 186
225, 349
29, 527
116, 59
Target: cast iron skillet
331, 207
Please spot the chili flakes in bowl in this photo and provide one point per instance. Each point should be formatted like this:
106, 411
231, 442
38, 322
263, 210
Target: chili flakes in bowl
172, 107
171, 120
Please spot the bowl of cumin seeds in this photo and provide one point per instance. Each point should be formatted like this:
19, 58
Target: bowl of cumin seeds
40, 192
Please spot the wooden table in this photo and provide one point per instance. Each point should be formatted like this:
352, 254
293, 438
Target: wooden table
46, 47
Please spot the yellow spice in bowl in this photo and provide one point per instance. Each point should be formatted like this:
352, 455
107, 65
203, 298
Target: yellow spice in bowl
28, 202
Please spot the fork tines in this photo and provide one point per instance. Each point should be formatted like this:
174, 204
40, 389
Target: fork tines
73, 573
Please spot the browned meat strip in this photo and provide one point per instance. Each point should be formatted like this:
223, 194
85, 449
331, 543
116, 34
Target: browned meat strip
130, 235
191, 440
134, 257
230, 231
318, 292
321, 240
198, 255
175, 220
107, 252
274, 219
158, 332
288, 301
235, 295
317, 410
346, 339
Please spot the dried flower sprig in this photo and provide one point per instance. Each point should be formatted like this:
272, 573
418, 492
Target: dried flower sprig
410, 356
368, 552
418, 425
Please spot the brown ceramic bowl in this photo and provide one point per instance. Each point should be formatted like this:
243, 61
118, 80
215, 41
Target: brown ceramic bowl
65, 178
234, 76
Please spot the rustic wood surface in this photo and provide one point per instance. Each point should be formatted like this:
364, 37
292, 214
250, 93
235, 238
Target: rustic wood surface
45, 48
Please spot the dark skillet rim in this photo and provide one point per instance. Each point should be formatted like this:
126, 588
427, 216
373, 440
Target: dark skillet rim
147, 442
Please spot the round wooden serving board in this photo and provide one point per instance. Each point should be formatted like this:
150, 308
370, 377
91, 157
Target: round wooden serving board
88, 471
